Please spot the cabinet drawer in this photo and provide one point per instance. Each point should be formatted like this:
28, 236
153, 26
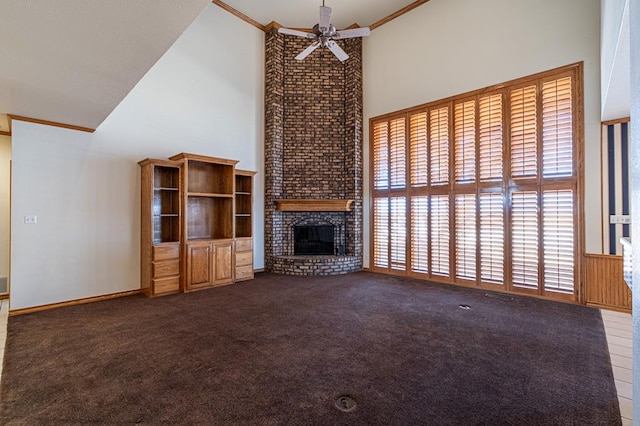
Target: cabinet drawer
244, 273
166, 269
244, 244
166, 252
244, 258
166, 285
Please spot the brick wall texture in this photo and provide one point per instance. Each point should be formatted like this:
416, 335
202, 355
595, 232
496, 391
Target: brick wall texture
313, 149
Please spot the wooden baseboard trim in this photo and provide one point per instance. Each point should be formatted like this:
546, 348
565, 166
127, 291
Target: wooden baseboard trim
73, 302
609, 307
255, 271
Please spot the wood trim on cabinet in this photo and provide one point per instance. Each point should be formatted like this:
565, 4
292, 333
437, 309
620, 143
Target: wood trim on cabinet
3, 133
50, 123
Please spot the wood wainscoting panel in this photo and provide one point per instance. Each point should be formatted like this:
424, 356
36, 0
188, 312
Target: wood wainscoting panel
605, 285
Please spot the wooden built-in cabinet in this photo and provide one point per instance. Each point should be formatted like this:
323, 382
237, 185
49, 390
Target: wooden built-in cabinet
160, 226
196, 224
243, 255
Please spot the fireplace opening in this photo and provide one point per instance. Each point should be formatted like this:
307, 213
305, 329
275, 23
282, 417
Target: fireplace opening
313, 239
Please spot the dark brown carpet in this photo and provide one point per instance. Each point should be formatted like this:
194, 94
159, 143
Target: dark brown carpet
280, 350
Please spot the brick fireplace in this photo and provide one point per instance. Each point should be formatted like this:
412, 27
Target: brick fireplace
313, 153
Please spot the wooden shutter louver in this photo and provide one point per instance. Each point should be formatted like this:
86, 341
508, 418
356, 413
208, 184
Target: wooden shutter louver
397, 154
557, 128
465, 212
558, 236
524, 131
492, 238
490, 137
398, 235
439, 228
419, 234
381, 232
524, 237
419, 149
439, 146
465, 141
381, 155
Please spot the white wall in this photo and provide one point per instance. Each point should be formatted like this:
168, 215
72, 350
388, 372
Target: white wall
614, 59
204, 96
5, 177
449, 47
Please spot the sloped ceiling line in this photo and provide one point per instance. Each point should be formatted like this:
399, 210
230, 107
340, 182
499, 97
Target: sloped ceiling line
264, 27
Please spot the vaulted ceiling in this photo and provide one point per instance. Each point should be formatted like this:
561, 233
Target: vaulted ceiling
72, 62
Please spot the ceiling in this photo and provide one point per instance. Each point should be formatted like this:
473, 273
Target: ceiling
73, 61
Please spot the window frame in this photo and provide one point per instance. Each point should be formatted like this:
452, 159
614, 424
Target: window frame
477, 187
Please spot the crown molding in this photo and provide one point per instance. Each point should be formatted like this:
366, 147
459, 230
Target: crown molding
274, 24
239, 14
48, 123
394, 15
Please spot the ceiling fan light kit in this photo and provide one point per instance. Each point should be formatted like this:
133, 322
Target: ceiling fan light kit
324, 34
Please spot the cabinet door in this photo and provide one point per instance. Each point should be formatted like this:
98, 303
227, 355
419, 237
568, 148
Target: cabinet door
223, 265
199, 265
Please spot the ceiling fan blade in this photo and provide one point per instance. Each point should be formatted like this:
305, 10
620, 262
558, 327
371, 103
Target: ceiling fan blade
325, 19
355, 32
306, 52
337, 50
296, 33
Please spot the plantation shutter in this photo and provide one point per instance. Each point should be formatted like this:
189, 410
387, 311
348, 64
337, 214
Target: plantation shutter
398, 235
418, 143
439, 146
419, 234
524, 239
397, 154
381, 232
439, 226
465, 141
490, 137
381, 155
492, 237
465, 236
558, 240
483, 187
524, 130
557, 128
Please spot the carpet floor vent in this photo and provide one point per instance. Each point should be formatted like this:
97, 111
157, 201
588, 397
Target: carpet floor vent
345, 403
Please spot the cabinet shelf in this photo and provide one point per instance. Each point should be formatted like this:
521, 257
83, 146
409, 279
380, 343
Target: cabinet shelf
164, 188
243, 214
243, 193
209, 195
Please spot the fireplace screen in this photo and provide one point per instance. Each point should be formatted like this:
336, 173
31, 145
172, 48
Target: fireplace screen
313, 239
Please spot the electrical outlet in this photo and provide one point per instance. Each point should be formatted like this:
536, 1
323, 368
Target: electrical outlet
624, 219
31, 219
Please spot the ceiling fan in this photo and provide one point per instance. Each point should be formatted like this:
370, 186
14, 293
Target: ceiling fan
324, 34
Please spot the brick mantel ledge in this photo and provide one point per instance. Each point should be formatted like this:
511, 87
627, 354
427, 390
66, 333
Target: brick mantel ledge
311, 205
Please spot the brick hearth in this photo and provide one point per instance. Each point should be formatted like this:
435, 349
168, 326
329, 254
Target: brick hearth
313, 150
